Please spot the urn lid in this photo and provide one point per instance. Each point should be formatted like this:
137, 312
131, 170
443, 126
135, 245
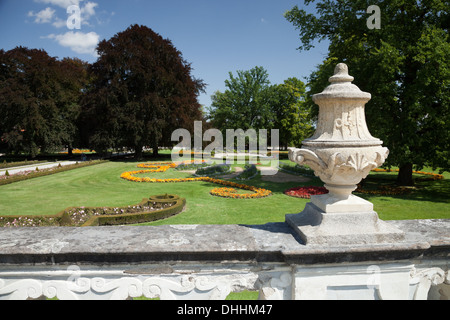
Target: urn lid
341, 87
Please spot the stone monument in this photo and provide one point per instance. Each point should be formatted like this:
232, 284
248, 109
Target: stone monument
342, 152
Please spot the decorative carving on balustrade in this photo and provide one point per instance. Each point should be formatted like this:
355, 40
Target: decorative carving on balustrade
275, 286
426, 278
79, 286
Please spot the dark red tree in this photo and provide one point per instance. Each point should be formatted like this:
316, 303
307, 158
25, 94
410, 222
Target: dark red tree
39, 100
142, 90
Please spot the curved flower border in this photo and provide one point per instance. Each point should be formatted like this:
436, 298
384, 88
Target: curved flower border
229, 191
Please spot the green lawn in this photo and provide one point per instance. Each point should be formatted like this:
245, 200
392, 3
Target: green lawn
101, 185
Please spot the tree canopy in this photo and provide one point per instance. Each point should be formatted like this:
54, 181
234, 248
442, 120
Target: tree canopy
404, 65
138, 91
290, 113
39, 100
251, 102
242, 105
142, 88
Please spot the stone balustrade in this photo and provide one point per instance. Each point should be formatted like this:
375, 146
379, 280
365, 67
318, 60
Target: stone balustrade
209, 262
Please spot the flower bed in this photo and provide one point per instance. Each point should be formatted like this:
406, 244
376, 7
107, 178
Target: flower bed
158, 167
305, 192
152, 209
220, 192
232, 193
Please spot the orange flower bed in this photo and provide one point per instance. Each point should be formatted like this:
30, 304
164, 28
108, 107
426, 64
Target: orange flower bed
228, 192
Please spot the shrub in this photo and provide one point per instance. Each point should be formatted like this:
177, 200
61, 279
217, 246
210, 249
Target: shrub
191, 166
297, 169
249, 173
214, 170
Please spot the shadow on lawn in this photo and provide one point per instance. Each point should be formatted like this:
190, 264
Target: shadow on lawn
424, 190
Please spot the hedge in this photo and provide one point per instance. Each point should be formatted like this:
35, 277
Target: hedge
136, 218
64, 219
46, 172
7, 165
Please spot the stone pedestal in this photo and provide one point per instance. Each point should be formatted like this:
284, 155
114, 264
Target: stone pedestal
316, 226
342, 152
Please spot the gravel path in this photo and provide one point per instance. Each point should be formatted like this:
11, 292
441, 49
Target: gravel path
46, 165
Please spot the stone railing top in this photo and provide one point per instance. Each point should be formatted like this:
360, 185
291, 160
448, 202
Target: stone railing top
274, 242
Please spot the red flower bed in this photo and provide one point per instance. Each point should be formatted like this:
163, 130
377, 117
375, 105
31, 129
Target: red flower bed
306, 192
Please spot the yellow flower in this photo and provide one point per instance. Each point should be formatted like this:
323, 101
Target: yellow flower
221, 192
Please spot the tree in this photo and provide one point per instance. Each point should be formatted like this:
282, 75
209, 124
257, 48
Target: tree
404, 65
251, 102
290, 113
73, 83
38, 100
142, 89
244, 104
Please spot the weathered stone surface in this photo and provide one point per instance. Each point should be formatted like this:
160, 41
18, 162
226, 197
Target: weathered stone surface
274, 242
316, 226
209, 262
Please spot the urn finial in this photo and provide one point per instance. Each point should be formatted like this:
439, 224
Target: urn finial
341, 74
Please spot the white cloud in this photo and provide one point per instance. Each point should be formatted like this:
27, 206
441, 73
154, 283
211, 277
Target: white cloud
77, 41
61, 3
59, 23
87, 12
83, 43
43, 16
89, 9
48, 15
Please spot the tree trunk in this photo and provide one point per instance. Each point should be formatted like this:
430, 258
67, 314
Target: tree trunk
138, 152
155, 152
155, 148
405, 177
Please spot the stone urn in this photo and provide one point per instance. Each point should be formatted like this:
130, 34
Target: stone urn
342, 152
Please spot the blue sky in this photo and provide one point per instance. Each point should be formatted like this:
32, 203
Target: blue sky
215, 36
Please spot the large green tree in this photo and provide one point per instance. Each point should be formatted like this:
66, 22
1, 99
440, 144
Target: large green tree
251, 102
405, 65
243, 105
39, 100
142, 90
289, 112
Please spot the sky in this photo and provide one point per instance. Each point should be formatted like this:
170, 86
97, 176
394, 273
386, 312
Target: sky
215, 36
